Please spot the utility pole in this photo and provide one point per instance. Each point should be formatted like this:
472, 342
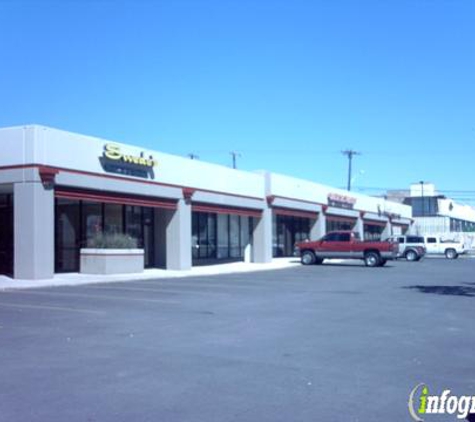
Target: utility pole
422, 197
349, 153
193, 156
235, 154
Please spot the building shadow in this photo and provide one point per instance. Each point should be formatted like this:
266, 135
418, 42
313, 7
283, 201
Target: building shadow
465, 291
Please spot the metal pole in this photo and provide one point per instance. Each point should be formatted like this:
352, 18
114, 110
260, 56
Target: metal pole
349, 153
422, 197
235, 154
350, 159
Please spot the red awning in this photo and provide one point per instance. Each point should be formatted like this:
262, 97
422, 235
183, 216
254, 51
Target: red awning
217, 209
295, 213
115, 199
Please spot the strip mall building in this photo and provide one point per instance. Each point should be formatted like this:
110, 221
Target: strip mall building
58, 189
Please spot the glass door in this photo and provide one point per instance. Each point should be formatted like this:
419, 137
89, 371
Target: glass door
148, 237
68, 235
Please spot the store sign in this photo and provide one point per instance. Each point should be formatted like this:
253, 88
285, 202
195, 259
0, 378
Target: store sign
341, 201
113, 160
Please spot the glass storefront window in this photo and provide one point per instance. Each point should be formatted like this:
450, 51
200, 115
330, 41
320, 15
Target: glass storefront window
234, 233
148, 236
211, 229
219, 236
337, 225
373, 232
68, 236
113, 218
78, 221
287, 230
223, 236
245, 232
133, 222
91, 220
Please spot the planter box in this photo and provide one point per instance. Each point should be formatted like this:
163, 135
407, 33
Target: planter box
111, 261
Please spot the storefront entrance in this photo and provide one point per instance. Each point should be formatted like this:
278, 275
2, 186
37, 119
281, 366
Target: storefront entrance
335, 223
78, 221
373, 230
287, 230
6, 234
219, 237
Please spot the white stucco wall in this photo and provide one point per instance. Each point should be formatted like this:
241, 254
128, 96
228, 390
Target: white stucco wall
290, 187
53, 147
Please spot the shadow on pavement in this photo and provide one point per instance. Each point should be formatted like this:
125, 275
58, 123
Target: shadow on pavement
362, 265
445, 290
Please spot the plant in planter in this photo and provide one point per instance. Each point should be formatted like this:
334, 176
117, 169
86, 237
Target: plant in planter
111, 253
112, 241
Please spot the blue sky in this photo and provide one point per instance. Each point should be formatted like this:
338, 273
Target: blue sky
289, 84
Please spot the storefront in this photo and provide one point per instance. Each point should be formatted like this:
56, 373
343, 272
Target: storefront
58, 190
373, 230
80, 215
221, 234
289, 227
336, 223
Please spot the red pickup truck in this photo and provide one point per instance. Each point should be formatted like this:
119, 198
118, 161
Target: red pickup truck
346, 245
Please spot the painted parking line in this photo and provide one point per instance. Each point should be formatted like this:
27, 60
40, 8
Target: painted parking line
51, 308
87, 296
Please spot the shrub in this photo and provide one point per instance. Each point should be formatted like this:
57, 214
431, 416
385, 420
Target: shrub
112, 241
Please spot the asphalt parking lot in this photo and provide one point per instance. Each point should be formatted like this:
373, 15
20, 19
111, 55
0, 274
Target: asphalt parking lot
319, 343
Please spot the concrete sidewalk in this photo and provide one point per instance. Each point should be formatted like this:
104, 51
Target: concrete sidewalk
72, 279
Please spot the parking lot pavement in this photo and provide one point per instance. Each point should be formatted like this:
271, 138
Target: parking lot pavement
337, 342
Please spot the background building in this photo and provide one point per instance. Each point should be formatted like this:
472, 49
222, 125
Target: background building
436, 214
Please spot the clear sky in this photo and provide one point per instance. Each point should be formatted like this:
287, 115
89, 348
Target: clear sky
289, 84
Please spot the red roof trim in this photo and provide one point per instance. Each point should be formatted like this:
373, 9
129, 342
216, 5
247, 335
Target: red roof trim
226, 210
313, 215
114, 199
110, 176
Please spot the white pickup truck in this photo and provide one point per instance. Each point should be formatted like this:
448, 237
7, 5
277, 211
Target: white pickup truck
450, 248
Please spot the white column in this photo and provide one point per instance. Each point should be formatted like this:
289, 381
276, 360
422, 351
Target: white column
33, 208
319, 227
359, 227
388, 231
262, 237
178, 237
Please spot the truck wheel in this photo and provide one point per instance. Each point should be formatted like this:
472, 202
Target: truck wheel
411, 255
451, 254
372, 259
308, 258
